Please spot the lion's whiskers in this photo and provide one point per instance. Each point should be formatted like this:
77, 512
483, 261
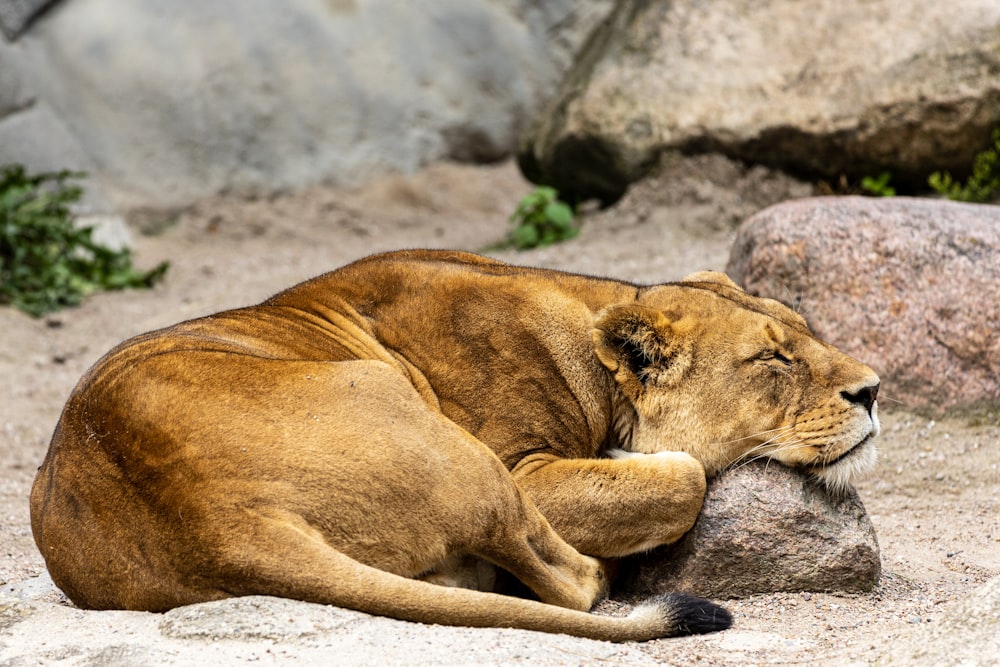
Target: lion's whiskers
778, 430
744, 460
766, 456
773, 445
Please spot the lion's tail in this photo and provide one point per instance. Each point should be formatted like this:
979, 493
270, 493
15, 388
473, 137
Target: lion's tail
354, 585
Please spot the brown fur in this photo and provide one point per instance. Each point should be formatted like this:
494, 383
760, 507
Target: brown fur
409, 416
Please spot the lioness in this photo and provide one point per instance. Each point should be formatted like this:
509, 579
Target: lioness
378, 428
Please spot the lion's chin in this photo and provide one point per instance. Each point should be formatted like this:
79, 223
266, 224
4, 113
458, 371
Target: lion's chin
852, 466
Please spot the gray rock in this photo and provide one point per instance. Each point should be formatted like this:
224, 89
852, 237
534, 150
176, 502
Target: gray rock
271, 630
968, 634
16, 15
255, 617
34, 136
12, 610
764, 528
14, 93
854, 87
909, 286
110, 231
164, 103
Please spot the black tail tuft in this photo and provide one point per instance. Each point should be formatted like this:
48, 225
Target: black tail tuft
695, 616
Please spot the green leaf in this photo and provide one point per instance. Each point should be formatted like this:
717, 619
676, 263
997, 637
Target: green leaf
879, 186
525, 236
546, 193
559, 214
540, 219
46, 261
983, 185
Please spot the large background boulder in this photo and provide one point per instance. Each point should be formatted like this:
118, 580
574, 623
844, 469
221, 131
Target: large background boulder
909, 286
823, 88
164, 103
764, 528
16, 15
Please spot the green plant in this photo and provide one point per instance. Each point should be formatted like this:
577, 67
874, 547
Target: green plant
46, 261
879, 185
541, 219
983, 184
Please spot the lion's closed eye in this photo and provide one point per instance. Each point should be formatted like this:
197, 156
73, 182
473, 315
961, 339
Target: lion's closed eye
774, 356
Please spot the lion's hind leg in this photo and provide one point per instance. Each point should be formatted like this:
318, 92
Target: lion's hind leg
353, 449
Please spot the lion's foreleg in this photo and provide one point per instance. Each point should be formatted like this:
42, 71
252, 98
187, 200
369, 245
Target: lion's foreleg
616, 507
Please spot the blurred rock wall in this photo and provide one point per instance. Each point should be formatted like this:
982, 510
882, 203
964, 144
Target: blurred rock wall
819, 88
166, 101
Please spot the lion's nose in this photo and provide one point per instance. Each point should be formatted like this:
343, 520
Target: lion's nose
864, 396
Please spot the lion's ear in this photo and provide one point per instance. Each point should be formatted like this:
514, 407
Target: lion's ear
642, 346
710, 277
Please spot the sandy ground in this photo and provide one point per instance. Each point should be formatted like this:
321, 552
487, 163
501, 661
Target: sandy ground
934, 500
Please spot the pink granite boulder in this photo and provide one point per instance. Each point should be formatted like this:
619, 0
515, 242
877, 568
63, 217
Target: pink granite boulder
909, 286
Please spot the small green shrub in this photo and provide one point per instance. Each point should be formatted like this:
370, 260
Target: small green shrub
878, 185
46, 261
541, 220
984, 183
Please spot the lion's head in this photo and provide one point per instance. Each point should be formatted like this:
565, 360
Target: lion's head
724, 376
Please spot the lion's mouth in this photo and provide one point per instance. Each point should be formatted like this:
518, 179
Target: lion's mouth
849, 453
840, 473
